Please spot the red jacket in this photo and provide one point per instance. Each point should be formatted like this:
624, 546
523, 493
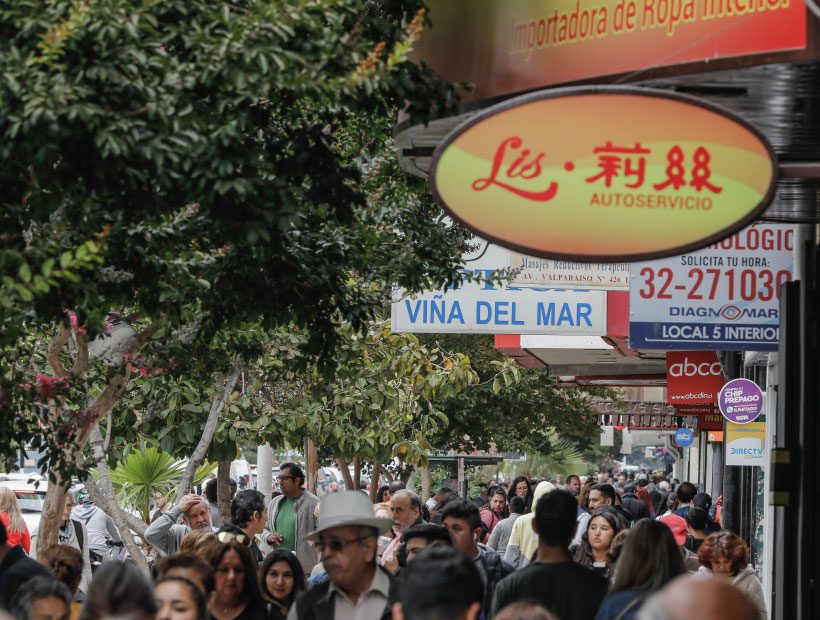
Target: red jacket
16, 538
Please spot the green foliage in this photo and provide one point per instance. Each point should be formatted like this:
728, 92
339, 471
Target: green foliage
147, 470
523, 410
382, 401
232, 160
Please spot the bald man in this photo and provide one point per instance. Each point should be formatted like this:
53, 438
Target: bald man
705, 599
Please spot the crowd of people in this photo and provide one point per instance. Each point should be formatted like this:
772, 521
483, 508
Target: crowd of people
598, 547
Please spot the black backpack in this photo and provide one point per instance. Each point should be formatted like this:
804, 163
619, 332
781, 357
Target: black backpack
78, 532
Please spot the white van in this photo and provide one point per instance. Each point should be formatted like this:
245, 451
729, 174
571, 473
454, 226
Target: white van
241, 472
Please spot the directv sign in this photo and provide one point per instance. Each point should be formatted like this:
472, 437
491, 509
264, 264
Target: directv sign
483, 308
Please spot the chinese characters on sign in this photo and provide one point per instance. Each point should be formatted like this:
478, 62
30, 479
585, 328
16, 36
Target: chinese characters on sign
551, 176
611, 161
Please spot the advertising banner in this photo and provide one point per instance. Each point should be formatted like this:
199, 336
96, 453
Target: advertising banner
658, 174
725, 296
505, 47
745, 444
531, 271
741, 401
693, 377
484, 308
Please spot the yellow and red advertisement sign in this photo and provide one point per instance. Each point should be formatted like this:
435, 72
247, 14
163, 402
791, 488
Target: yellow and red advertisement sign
505, 47
609, 173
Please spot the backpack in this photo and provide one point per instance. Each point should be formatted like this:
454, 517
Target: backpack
78, 532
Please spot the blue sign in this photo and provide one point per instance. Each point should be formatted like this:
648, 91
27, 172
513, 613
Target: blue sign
721, 297
684, 437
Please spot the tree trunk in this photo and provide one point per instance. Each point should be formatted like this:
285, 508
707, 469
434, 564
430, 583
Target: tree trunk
101, 407
223, 491
343, 467
112, 507
219, 402
135, 523
50, 518
387, 474
357, 472
374, 481
312, 462
426, 483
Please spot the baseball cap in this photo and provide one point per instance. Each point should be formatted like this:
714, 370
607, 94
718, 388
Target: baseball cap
678, 527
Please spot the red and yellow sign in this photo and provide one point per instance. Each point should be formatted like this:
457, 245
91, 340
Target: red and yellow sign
505, 47
610, 174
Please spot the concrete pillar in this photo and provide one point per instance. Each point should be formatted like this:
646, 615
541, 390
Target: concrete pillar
264, 470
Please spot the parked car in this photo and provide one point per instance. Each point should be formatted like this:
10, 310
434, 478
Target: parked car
329, 480
30, 497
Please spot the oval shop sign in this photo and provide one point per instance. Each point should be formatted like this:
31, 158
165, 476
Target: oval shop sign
604, 173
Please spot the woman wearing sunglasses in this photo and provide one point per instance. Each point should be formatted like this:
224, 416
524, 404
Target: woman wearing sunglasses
236, 594
281, 579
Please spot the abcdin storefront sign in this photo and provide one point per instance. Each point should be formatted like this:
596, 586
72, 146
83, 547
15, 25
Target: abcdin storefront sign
607, 174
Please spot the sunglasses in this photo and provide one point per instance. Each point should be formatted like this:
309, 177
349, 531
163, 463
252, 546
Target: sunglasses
280, 478
336, 545
241, 538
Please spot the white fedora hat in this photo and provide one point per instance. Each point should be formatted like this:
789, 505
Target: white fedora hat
348, 508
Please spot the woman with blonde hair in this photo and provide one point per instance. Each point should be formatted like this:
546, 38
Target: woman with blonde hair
15, 524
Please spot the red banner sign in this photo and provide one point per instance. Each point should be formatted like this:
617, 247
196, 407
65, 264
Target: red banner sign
693, 376
506, 47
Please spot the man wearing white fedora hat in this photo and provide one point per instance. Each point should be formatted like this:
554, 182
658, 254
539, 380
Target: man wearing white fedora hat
358, 588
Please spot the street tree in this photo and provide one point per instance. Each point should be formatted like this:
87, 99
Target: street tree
526, 415
221, 159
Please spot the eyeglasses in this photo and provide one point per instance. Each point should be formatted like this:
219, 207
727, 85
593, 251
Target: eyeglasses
240, 537
336, 545
280, 478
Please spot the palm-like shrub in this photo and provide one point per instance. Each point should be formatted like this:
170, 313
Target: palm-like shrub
147, 470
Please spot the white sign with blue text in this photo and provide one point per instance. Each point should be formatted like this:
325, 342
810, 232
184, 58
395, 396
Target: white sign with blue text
485, 308
725, 296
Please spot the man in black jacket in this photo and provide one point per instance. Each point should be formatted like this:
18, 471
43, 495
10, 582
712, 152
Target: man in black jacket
634, 505
463, 521
604, 495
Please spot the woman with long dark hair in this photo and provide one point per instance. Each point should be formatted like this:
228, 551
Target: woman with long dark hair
521, 487
593, 551
236, 594
281, 579
649, 559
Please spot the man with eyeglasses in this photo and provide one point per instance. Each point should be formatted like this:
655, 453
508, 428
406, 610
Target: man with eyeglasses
291, 516
166, 535
357, 586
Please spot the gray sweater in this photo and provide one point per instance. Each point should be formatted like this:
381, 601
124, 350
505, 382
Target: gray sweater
165, 534
501, 534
